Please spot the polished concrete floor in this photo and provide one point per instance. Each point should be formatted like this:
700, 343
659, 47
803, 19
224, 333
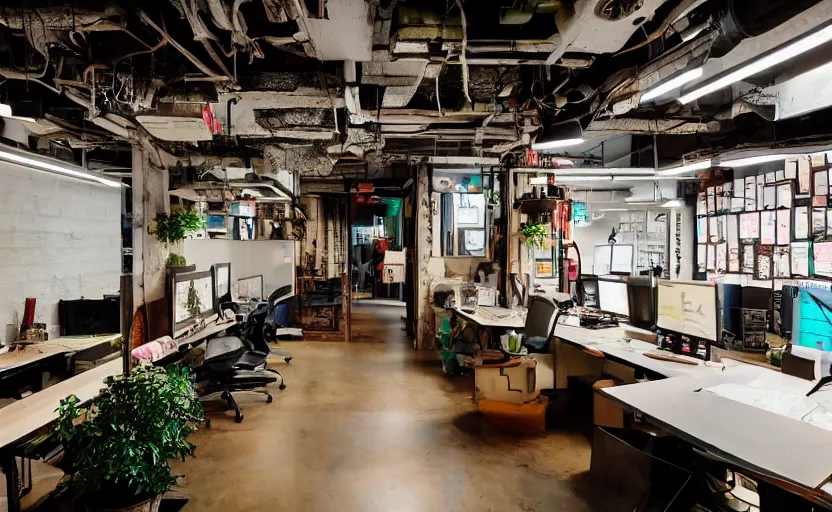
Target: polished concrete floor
376, 426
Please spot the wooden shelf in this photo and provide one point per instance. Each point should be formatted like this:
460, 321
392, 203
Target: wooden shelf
537, 206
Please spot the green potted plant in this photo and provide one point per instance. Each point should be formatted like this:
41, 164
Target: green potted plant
118, 448
535, 236
171, 229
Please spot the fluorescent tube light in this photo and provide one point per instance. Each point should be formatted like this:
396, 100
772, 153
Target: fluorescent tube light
611, 171
614, 210
41, 165
553, 144
787, 52
645, 178
578, 179
539, 180
754, 160
641, 202
673, 83
682, 169
673, 203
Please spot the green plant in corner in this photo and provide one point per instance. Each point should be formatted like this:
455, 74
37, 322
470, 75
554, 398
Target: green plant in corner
171, 228
118, 449
535, 235
176, 260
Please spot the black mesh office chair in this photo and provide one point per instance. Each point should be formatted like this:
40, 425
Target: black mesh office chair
540, 324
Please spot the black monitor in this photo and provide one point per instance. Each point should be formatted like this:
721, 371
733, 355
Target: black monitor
222, 283
191, 299
643, 297
589, 292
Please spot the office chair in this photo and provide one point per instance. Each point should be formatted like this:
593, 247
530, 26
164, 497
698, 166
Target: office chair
541, 319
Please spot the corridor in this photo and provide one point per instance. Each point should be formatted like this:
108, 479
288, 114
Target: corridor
370, 426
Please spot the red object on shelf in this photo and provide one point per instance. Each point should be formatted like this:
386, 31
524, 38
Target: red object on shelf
573, 270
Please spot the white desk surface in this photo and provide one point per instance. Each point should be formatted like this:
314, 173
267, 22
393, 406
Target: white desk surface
514, 319
608, 342
38, 410
39, 351
769, 443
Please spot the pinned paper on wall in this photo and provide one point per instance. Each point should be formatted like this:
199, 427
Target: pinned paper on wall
822, 183
764, 255
750, 193
721, 258
761, 185
782, 262
820, 200
718, 195
701, 257
801, 252
784, 227
771, 177
791, 169
733, 259
804, 171
818, 223
747, 264
750, 226
702, 230
710, 261
711, 200
801, 222
701, 204
714, 231
732, 231
769, 198
768, 228
823, 258
780, 175
784, 195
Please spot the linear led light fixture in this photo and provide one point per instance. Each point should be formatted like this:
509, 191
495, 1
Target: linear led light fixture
755, 160
646, 178
673, 83
560, 135
770, 59
614, 210
682, 169
611, 171
673, 203
41, 165
578, 179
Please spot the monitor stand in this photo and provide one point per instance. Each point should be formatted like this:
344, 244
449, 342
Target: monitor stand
823, 381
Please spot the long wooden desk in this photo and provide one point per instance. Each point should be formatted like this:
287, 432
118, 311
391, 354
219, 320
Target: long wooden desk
32, 354
20, 419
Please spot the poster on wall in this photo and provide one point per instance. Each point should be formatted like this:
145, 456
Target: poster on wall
771, 177
733, 238
804, 171
722, 258
750, 194
702, 230
784, 195
768, 227
750, 226
711, 191
701, 204
764, 255
769, 198
791, 169
784, 227
714, 229
818, 223
829, 223
801, 222
820, 201
782, 262
823, 258
761, 185
801, 259
710, 260
747, 262
701, 257
822, 183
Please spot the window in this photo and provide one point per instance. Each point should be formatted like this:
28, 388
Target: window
465, 222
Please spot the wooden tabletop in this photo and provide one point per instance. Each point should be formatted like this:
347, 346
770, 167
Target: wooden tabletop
38, 410
30, 354
77, 344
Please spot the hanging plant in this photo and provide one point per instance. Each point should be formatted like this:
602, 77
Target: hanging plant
492, 197
535, 236
176, 260
171, 228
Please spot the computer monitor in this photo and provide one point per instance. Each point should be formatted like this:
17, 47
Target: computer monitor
689, 308
192, 299
222, 283
812, 319
642, 294
251, 288
613, 297
589, 292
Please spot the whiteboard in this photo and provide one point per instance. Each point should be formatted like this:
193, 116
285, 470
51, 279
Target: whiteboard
613, 298
688, 308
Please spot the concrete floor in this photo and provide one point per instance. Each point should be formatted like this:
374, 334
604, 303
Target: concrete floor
376, 426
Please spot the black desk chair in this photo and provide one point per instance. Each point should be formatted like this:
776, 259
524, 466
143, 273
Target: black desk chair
541, 320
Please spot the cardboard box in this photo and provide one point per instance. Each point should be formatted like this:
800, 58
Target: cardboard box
605, 412
513, 382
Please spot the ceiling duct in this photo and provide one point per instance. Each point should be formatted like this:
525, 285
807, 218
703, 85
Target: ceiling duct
520, 13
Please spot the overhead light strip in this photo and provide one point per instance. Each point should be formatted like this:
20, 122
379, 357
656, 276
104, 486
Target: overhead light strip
41, 165
779, 56
554, 144
578, 179
755, 160
682, 169
673, 83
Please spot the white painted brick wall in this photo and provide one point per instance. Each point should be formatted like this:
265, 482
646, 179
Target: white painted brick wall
60, 238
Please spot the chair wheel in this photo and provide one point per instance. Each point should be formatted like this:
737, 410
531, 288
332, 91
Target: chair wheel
282, 386
269, 399
287, 359
238, 418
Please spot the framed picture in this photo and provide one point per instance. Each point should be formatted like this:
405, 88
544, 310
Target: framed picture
763, 262
747, 259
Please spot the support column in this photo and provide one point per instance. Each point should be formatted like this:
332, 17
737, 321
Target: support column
150, 197
424, 221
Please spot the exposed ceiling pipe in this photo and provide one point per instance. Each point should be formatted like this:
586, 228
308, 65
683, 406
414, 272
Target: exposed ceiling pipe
184, 51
